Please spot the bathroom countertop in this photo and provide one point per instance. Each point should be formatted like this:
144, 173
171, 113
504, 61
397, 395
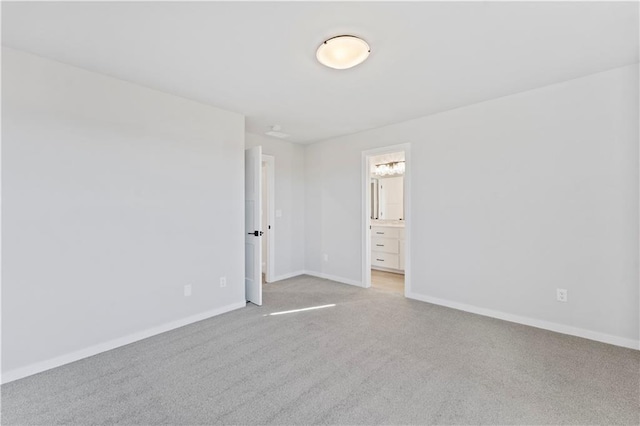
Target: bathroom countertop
390, 223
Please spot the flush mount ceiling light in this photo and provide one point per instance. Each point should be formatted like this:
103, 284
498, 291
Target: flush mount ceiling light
276, 133
342, 52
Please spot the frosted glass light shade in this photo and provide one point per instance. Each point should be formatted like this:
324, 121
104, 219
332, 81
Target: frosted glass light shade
343, 52
389, 169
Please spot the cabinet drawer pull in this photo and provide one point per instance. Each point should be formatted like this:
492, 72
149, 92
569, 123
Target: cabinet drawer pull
380, 260
380, 245
380, 233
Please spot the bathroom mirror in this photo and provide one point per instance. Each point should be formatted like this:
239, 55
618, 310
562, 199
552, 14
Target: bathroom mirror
387, 198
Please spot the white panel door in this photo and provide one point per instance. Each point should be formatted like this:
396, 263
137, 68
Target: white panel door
253, 225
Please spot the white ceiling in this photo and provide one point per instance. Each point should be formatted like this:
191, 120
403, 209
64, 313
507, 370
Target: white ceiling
259, 58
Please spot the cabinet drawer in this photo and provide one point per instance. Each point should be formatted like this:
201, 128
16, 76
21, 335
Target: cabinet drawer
387, 245
385, 260
384, 231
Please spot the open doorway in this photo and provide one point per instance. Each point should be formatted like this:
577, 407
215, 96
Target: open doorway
386, 218
267, 213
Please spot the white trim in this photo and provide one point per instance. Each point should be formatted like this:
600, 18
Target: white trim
545, 325
334, 278
318, 275
287, 276
366, 219
366, 216
41, 366
271, 214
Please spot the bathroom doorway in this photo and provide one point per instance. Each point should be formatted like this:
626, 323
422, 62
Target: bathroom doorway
386, 202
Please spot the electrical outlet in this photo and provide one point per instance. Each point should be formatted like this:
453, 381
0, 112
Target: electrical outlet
223, 281
187, 290
326, 257
561, 294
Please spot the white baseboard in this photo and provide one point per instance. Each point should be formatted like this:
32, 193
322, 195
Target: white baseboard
334, 278
39, 367
546, 325
286, 276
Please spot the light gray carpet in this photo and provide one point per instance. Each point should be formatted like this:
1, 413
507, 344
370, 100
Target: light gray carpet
375, 358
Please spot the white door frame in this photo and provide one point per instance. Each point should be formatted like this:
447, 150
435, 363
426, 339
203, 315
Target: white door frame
270, 231
366, 214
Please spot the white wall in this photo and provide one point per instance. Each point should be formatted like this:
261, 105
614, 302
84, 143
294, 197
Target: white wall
289, 198
114, 197
512, 198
